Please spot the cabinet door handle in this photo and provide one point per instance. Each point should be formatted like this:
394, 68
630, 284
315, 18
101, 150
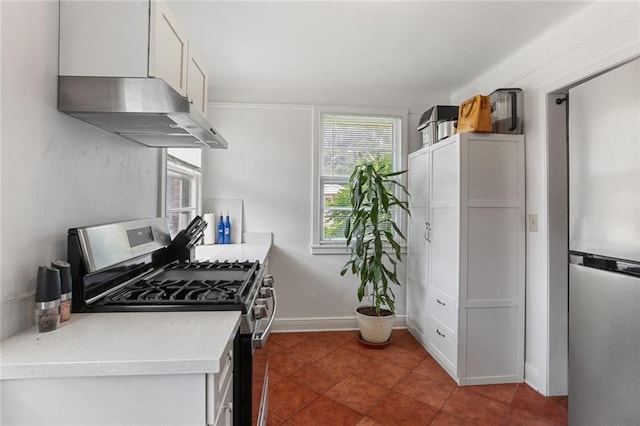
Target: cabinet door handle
427, 232
438, 331
440, 302
229, 413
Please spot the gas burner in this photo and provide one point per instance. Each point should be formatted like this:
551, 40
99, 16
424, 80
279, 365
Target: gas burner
192, 283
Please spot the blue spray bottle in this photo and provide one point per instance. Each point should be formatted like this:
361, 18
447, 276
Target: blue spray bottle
221, 230
227, 230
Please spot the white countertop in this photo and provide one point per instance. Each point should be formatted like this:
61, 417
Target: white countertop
132, 343
118, 343
231, 252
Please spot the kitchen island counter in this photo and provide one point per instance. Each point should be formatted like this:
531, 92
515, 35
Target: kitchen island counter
121, 344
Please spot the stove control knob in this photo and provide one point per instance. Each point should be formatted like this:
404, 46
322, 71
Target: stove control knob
267, 281
259, 311
264, 292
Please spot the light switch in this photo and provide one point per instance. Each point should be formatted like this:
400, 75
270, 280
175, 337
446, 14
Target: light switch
533, 222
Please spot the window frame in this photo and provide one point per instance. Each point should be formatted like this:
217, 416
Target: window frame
400, 163
175, 164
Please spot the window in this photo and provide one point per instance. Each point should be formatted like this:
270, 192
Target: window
183, 187
344, 138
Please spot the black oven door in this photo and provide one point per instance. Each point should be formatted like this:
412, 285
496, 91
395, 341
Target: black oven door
251, 368
250, 383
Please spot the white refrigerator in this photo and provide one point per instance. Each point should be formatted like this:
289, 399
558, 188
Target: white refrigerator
604, 244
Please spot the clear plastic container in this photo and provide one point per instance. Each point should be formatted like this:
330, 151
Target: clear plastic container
47, 315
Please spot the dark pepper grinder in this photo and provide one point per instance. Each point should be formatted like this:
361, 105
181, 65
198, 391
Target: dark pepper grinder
65, 288
47, 299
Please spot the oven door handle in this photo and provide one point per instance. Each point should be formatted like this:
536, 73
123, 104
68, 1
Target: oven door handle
258, 338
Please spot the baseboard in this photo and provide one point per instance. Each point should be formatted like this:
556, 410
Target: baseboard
532, 377
287, 325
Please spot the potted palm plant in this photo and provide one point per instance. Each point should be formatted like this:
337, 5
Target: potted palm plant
373, 235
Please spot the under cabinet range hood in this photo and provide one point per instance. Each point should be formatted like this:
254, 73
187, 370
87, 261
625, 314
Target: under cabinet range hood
144, 110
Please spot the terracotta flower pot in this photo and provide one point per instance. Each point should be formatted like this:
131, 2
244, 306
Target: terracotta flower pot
373, 328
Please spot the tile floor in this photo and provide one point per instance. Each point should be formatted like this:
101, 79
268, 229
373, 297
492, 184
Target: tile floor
330, 379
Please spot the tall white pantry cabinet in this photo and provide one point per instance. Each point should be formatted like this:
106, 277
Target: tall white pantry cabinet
466, 260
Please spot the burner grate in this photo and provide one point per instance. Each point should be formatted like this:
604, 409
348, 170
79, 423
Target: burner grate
201, 283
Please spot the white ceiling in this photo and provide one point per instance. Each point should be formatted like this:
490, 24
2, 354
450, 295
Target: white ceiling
420, 46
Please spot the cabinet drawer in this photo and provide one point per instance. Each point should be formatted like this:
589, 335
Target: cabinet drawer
442, 308
218, 383
444, 347
224, 413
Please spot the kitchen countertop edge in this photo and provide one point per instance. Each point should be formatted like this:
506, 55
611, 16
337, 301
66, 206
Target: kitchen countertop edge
155, 343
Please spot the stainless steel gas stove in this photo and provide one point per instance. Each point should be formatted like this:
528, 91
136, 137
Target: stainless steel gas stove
136, 266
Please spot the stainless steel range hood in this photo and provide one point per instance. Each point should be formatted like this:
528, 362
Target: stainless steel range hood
144, 110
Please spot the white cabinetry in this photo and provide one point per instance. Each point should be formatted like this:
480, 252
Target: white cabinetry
418, 251
220, 391
130, 39
476, 257
178, 399
122, 368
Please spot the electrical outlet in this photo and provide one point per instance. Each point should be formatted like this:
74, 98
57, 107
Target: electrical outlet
532, 221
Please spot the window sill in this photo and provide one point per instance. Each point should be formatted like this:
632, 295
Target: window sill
342, 249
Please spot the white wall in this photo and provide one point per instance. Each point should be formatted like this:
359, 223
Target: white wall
56, 171
599, 36
268, 165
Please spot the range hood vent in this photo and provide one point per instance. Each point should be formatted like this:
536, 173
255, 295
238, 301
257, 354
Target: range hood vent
144, 110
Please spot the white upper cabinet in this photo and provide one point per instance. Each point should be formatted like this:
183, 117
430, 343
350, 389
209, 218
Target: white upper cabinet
130, 39
197, 80
168, 48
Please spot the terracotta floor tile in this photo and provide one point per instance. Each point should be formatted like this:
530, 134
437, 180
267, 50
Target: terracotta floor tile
319, 377
313, 348
273, 419
409, 343
398, 356
274, 377
518, 417
337, 338
470, 406
356, 346
425, 389
381, 373
446, 419
502, 393
397, 409
272, 348
324, 411
430, 367
288, 397
288, 339
368, 421
356, 394
529, 400
345, 360
562, 401
287, 363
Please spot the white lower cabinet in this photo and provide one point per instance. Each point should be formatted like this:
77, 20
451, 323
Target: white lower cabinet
220, 391
109, 400
137, 400
475, 262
